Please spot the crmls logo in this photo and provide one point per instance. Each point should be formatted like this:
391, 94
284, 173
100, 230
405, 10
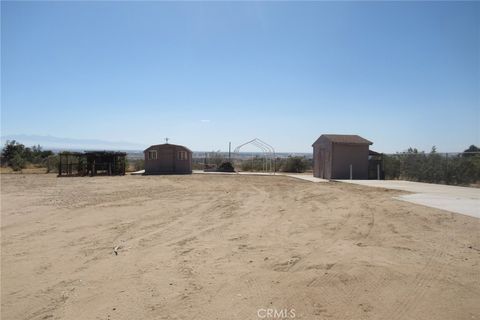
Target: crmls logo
276, 314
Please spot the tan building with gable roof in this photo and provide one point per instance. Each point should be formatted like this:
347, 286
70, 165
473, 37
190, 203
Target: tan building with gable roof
340, 156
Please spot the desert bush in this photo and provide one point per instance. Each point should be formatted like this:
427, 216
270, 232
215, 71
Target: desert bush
462, 170
51, 163
17, 162
215, 157
134, 164
226, 167
392, 166
433, 167
138, 164
294, 164
255, 164
198, 165
17, 156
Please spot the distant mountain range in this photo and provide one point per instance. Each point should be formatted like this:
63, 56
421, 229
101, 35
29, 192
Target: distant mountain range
57, 143
134, 150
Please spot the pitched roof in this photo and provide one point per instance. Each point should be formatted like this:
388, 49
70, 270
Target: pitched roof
344, 138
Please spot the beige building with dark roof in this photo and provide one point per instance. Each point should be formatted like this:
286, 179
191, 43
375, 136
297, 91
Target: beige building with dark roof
339, 156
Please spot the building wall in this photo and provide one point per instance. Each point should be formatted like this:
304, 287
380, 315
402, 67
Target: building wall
168, 160
345, 155
317, 160
322, 159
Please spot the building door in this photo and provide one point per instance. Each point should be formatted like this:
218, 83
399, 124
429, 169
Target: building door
166, 160
321, 163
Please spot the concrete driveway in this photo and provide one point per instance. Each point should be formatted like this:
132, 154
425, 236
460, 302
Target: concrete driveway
461, 200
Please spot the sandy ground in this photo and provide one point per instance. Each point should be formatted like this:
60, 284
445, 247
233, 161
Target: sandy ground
230, 247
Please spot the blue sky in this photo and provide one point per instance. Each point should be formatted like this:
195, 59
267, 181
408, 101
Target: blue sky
203, 74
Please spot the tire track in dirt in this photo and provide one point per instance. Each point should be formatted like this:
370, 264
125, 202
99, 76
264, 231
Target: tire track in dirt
339, 289
248, 283
432, 271
254, 286
429, 273
333, 286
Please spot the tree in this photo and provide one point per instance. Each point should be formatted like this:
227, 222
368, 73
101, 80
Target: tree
16, 155
13, 150
470, 151
28, 155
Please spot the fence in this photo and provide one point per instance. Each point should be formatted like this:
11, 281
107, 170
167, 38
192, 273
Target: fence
255, 161
448, 168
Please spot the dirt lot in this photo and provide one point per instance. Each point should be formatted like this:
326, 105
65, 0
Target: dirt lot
230, 247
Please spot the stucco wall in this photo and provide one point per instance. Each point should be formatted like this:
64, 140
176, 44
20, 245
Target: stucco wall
345, 155
322, 160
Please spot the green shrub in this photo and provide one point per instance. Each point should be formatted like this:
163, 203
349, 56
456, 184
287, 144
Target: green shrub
132, 164
17, 156
433, 167
254, 164
17, 162
294, 164
51, 163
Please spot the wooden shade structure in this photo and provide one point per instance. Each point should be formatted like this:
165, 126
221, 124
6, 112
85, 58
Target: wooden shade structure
91, 163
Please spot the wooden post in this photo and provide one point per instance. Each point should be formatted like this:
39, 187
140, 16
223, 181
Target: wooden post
59, 165
378, 171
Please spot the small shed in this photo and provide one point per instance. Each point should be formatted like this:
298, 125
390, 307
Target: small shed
340, 156
168, 159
